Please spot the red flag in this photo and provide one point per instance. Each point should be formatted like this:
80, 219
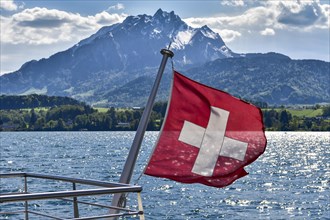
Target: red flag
208, 136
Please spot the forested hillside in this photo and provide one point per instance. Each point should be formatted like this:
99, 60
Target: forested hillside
34, 101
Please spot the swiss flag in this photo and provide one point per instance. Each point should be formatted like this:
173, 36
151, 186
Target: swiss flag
208, 136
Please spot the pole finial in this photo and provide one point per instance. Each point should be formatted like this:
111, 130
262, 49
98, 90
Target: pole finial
168, 52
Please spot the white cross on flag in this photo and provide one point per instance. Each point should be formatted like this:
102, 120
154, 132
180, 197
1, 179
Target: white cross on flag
208, 136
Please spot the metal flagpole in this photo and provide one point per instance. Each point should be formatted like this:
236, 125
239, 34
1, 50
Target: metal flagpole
126, 175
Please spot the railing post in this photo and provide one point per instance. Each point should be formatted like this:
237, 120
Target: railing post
26, 202
75, 203
140, 206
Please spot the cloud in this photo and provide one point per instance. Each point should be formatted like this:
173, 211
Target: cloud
104, 18
267, 32
8, 5
254, 19
232, 2
303, 14
239, 3
228, 35
39, 26
265, 17
118, 6
42, 18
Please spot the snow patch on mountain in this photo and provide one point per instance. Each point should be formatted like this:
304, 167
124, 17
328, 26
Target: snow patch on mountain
224, 50
207, 32
33, 90
182, 38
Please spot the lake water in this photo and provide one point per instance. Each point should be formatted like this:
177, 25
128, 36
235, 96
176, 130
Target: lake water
290, 180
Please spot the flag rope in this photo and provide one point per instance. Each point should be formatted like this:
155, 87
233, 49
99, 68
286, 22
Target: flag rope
138, 179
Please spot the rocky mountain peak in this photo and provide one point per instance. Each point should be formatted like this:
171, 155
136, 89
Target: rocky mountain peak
96, 69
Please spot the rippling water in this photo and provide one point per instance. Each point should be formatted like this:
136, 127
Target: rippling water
290, 180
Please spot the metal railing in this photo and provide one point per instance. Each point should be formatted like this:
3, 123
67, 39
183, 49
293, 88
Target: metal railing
104, 188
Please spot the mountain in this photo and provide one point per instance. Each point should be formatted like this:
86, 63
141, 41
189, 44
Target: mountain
116, 55
272, 78
116, 66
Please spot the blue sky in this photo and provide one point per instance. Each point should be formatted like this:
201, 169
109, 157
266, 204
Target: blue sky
35, 29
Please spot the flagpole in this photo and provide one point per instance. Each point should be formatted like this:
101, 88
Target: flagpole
126, 175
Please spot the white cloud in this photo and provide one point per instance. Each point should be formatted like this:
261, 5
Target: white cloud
306, 14
252, 20
104, 18
294, 14
267, 32
298, 25
268, 16
241, 3
39, 26
232, 2
36, 33
228, 35
118, 6
8, 5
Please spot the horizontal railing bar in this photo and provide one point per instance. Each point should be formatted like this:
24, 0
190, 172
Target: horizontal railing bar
73, 193
12, 212
110, 215
14, 193
100, 205
10, 175
82, 218
65, 179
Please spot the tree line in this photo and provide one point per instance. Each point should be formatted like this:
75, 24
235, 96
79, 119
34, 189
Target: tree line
283, 120
77, 116
34, 101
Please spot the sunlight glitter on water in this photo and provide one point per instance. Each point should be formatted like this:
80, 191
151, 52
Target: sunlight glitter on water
290, 180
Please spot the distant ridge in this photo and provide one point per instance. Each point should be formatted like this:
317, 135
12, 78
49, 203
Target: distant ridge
272, 78
116, 66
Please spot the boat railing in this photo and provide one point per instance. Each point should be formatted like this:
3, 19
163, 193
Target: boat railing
78, 198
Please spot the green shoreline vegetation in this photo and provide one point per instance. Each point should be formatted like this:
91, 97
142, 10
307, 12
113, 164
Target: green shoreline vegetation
47, 113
